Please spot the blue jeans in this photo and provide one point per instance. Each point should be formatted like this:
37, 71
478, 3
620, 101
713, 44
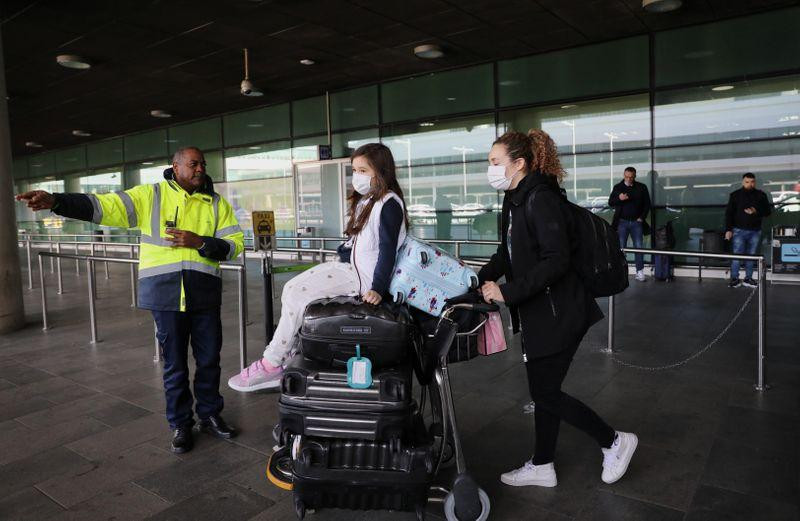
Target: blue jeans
746, 242
634, 229
203, 329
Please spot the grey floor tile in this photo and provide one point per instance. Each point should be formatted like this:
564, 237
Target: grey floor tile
127, 502
113, 441
27, 443
607, 506
715, 504
762, 429
28, 505
225, 502
118, 414
26, 472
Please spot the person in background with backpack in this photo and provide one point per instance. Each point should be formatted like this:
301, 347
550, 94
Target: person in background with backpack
547, 299
631, 202
376, 230
746, 207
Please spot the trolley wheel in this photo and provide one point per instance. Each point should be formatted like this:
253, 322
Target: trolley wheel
279, 469
450, 507
299, 508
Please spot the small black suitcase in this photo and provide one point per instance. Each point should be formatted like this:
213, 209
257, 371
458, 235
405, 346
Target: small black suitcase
360, 475
316, 401
333, 326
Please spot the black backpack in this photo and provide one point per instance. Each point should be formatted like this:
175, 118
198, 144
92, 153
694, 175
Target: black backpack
596, 254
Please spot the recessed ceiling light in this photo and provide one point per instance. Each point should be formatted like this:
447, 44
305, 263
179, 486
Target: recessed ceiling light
71, 61
509, 83
254, 148
81, 133
568, 106
451, 99
158, 113
255, 125
426, 124
428, 51
33, 144
147, 163
661, 6
720, 88
306, 61
348, 109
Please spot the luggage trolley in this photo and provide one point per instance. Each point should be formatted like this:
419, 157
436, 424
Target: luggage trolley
411, 482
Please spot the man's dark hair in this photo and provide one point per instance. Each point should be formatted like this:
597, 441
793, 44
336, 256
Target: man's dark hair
631, 169
749, 175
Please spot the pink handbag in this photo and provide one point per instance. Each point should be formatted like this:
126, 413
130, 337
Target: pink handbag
491, 338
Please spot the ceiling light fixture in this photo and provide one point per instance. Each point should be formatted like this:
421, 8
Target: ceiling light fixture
661, 6
81, 133
33, 144
428, 51
721, 88
306, 61
246, 87
158, 113
426, 124
71, 61
568, 106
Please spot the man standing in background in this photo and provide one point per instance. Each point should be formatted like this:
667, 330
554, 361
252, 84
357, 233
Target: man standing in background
746, 207
631, 202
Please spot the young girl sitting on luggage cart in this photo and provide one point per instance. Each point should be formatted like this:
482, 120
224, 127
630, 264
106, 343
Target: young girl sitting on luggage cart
376, 229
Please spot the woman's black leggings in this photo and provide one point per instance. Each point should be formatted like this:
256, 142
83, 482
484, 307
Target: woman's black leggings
545, 376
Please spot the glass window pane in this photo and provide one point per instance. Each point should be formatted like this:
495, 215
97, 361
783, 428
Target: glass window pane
48, 185
708, 174
728, 49
345, 143
308, 116
205, 135
104, 153
19, 168
254, 126
145, 173
437, 94
71, 159
276, 194
42, 165
748, 110
215, 166
591, 177
590, 126
354, 108
305, 149
146, 145
259, 161
320, 199
618, 66
449, 141
110, 181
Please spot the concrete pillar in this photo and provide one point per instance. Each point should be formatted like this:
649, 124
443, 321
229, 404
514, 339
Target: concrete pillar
12, 312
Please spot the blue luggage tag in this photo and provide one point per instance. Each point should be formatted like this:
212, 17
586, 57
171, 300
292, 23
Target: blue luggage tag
359, 371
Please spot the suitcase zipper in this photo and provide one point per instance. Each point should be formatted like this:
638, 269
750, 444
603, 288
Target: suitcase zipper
552, 304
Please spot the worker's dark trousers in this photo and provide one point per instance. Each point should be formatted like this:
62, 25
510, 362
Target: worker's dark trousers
176, 330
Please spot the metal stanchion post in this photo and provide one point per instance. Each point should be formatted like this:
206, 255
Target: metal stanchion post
105, 254
610, 348
133, 278
242, 325
157, 353
50, 249
30, 269
266, 279
58, 269
244, 274
91, 274
44, 295
92, 318
761, 384
77, 261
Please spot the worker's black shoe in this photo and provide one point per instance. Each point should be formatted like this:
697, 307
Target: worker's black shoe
182, 440
216, 426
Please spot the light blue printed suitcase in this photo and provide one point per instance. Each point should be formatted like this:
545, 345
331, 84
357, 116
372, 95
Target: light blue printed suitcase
425, 276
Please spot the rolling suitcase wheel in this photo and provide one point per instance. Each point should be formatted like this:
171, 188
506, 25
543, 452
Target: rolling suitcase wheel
279, 469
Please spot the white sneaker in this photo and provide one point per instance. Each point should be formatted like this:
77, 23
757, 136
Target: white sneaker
617, 458
640, 276
530, 474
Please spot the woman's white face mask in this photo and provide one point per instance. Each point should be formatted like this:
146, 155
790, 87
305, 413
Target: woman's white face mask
362, 183
497, 177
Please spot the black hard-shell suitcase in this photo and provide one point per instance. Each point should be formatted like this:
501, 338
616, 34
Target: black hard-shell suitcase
333, 326
663, 268
316, 401
360, 475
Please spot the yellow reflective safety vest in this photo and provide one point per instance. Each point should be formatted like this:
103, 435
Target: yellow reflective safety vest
174, 278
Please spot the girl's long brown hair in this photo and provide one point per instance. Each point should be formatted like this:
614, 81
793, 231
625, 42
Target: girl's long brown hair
538, 150
381, 160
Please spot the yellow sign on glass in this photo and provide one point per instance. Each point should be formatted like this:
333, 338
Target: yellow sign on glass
264, 230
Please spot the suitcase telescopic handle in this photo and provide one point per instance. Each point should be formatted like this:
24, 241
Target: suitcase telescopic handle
423, 256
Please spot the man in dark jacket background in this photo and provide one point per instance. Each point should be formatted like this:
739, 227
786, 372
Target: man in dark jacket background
746, 207
631, 202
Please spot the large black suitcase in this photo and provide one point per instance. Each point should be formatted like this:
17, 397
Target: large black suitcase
333, 326
360, 475
316, 401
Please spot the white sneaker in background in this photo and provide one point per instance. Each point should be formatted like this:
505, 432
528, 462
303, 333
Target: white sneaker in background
640, 276
617, 458
530, 474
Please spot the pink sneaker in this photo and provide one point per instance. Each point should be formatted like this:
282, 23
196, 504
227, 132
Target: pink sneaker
255, 377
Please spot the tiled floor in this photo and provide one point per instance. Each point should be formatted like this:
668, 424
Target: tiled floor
82, 432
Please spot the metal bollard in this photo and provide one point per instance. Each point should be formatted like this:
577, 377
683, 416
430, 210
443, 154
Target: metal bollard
92, 318
610, 348
242, 326
30, 269
44, 295
761, 384
58, 269
133, 279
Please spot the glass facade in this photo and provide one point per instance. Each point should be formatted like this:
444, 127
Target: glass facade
691, 109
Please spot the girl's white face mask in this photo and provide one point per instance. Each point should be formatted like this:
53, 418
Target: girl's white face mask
362, 183
497, 177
